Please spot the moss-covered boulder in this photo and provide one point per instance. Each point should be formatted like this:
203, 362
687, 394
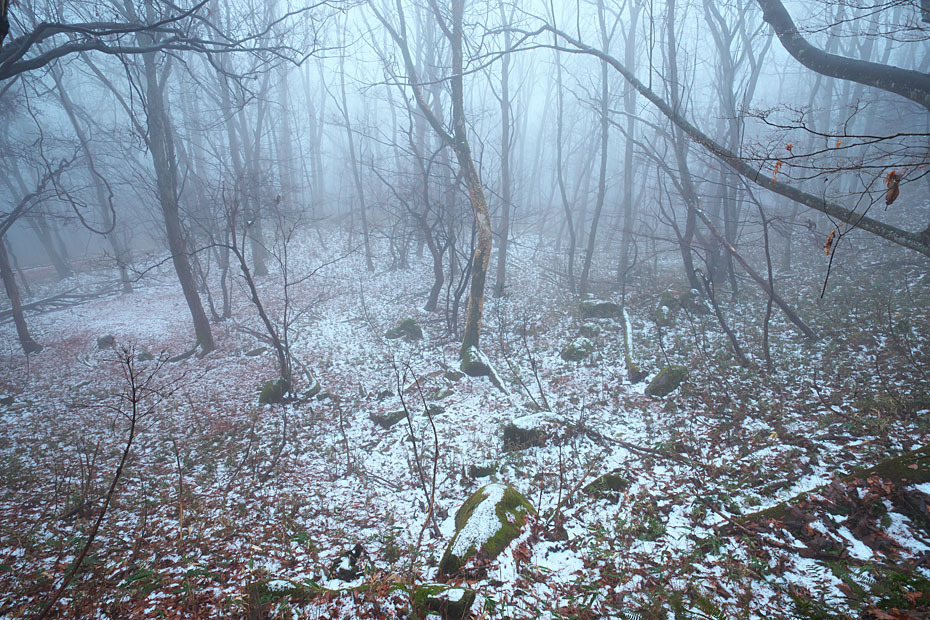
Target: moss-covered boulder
387, 420
481, 471
668, 309
608, 486
106, 342
693, 302
667, 381
529, 431
272, 392
598, 309
450, 603
487, 522
408, 329
577, 350
589, 330
474, 363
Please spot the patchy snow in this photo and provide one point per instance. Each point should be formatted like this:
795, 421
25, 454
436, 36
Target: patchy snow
856, 548
483, 522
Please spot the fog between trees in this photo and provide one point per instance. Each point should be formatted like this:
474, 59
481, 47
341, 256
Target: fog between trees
758, 164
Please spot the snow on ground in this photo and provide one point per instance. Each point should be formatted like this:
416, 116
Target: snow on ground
220, 492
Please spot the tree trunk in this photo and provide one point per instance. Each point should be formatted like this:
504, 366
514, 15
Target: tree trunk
12, 290
506, 140
108, 217
162, 149
629, 107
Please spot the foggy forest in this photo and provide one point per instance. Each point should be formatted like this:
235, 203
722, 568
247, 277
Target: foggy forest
465, 309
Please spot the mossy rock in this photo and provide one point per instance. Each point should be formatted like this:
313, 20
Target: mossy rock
261, 595
668, 309
387, 420
589, 330
106, 342
487, 522
577, 350
517, 437
453, 375
482, 471
609, 486
693, 302
272, 392
408, 329
474, 363
597, 309
667, 381
450, 603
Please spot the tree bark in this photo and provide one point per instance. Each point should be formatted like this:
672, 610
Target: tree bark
12, 290
163, 157
506, 143
602, 172
919, 242
912, 85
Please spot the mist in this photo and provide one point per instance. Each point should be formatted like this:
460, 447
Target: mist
466, 309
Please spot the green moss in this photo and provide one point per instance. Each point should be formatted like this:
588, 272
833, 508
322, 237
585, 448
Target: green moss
438, 599
668, 308
481, 471
272, 392
475, 364
577, 350
911, 467
511, 510
408, 329
667, 381
593, 309
387, 420
608, 486
518, 438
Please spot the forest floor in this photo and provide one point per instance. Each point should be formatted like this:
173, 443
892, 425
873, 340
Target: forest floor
731, 497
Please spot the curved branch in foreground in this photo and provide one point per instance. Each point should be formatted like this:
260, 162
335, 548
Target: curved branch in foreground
910, 84
919, 242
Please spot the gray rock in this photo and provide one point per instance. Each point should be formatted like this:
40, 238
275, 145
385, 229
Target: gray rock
667, 381
595, 309
577, 350
408, 329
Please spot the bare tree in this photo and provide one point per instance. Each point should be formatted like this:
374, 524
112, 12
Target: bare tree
451, 23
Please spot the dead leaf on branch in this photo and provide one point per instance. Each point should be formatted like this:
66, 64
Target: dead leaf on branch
828, 246
892, 180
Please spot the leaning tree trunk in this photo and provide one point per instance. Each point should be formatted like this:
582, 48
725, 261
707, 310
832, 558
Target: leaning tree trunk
103, 202
160, 144
9, 283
